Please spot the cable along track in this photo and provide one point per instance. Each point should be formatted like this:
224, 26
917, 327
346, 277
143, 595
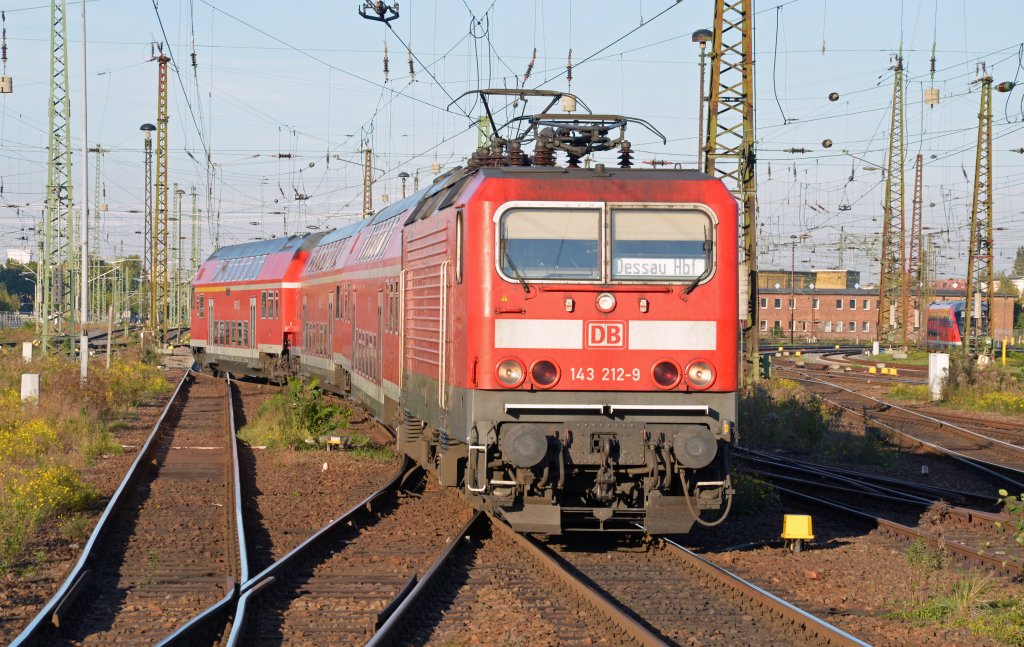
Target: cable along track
167, 547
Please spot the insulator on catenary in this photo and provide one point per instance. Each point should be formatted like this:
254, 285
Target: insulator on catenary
412, 69
529, 68
385, 61
626, 156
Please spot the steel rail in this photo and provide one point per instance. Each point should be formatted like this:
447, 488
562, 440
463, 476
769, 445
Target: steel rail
49, 616
894, 529
824, 630
1016, 449
865, 477
633, 628
983, 466
393, 616
191, 631
269, 575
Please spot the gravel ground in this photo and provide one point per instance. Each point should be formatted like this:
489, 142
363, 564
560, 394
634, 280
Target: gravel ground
288, 495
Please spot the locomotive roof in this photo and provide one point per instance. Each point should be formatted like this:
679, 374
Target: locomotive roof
659, 175
260, 247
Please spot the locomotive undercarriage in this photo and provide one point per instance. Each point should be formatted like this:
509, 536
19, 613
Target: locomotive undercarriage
552, 471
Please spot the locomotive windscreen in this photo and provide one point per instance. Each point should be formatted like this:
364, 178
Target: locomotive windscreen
659, 244
551, 243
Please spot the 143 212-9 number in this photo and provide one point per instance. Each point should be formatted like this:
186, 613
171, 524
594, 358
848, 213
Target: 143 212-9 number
605, 374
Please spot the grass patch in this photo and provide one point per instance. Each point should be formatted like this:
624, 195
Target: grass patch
969, 603
914, 358
857, 449
915, 392
295, 418
360, 446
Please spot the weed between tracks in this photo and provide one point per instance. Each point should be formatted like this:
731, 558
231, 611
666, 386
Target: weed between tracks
976, 388
788, 417
44, 446
301, 417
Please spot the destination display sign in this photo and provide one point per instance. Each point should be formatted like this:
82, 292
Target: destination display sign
659, 267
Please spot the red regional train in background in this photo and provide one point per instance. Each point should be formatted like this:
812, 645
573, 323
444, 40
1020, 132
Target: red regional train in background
558, 342
945, 324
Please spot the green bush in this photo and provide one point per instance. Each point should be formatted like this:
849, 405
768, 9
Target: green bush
782, 414
295, 418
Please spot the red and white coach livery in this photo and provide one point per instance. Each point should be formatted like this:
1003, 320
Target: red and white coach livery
559, 343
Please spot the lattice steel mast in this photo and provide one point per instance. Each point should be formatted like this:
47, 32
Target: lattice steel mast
159, 289
891, 317
730, 145
367, 182
913, 272
980, 266
57, 270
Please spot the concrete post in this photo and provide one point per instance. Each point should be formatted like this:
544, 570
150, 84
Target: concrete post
26, 351
30, 387
938, 368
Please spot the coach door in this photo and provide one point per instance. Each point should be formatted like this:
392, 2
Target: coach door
211, 325
378, 359
330, 326
252, 322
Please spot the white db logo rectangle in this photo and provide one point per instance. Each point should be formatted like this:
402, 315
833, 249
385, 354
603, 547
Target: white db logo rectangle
606, 334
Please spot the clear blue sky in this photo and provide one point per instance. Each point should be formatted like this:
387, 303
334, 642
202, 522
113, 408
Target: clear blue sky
306, 78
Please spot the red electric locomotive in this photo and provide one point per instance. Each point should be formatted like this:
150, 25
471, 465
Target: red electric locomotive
559, 343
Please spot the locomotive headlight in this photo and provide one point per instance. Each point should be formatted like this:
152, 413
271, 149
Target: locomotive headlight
510, 373
544, 373
666, 374
700, 374
606, 302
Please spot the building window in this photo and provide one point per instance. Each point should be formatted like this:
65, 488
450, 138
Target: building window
839, 326
764, 323
839, 304
816, 303
778, 325
828, 326
853, 326
853, 304
792, 304
867, 304
866, 326
778, 304
803, 326
764, 303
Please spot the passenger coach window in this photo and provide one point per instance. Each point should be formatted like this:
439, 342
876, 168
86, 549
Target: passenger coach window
660, 244
539, 243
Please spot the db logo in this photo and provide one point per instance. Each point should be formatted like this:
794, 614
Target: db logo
606, 334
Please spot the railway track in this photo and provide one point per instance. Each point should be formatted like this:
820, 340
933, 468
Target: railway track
336, 587
600, 592
169, 548
998, 458
901, 509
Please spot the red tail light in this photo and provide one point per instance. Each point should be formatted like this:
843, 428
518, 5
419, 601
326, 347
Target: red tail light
544, 373
666, 374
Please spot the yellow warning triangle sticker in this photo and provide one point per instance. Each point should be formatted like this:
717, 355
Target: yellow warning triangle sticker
504, 298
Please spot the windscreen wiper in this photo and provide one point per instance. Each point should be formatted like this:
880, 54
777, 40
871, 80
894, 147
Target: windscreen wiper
515, 270
707, 265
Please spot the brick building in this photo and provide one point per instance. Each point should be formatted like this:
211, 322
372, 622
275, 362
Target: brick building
846, 314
